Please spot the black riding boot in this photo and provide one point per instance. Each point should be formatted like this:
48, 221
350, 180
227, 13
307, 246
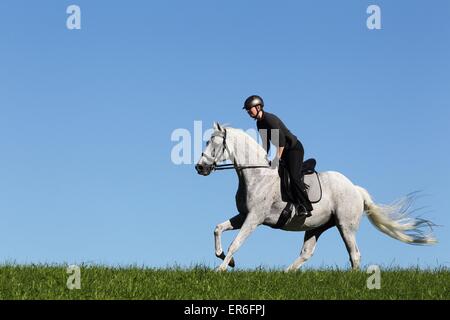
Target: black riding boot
304, 200
294, 163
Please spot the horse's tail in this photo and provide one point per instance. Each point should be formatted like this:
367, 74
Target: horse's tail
395, 219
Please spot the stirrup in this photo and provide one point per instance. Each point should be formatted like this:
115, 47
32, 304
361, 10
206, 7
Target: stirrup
300, 211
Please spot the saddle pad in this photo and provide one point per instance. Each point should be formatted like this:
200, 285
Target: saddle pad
315, 189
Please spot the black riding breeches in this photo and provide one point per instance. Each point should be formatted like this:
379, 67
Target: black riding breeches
293, 158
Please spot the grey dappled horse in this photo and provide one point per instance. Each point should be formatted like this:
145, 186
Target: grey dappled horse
259, 202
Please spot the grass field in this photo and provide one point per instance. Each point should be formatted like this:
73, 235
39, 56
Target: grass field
97, 282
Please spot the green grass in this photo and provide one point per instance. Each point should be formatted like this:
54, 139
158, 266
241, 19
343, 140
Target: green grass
98, 282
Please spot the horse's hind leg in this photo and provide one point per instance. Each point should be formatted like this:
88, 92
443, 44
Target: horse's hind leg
348, 235
309, 245
348, 217
232, 224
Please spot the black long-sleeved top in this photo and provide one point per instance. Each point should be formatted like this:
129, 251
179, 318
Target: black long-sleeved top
269, 122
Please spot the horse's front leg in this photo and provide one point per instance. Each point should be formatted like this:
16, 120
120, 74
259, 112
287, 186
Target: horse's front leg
232, 224
247, 228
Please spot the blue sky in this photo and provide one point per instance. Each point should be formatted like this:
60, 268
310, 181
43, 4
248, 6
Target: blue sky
86, 118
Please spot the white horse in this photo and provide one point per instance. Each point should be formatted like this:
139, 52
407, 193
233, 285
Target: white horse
259, 202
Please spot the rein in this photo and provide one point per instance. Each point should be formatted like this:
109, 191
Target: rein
232, 166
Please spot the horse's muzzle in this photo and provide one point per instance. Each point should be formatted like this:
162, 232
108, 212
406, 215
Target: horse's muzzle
204, 169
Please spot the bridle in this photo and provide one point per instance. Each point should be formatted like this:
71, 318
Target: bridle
227, 166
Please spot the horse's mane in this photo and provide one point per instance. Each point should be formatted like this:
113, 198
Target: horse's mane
255, 147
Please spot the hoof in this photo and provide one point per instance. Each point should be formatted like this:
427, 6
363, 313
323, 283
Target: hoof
290, 269
221, 269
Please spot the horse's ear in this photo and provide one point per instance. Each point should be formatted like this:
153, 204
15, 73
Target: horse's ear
219, 127
215, 126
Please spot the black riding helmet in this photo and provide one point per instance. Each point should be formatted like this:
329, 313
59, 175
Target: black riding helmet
253, 101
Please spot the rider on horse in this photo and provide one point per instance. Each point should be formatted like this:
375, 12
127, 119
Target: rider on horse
290, 150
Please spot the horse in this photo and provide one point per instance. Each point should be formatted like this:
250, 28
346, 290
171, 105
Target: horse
259, 201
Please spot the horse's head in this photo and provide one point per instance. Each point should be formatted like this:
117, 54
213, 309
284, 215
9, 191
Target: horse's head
215, 151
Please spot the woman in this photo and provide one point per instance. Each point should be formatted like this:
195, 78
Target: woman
289, 149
